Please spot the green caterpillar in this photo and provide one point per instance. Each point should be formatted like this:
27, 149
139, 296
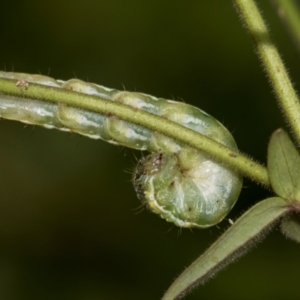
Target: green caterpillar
181, 184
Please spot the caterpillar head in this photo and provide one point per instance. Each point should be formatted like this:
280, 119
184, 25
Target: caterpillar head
197, 197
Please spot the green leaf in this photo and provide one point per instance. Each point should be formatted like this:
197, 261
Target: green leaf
290, 227
249, 229
284, 166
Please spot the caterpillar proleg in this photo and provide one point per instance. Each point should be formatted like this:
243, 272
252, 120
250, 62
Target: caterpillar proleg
181, 184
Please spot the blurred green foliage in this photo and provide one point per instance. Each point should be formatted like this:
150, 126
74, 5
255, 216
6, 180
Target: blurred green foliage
71, 226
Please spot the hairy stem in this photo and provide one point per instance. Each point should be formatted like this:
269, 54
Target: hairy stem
289, 12
240, 162
287, 98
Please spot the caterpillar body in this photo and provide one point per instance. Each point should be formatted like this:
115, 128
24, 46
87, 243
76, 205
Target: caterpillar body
181, 184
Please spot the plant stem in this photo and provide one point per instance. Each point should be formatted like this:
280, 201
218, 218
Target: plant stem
236, 160
289, 12
287, 98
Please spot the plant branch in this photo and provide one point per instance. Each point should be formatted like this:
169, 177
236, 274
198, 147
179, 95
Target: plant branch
287, 98
236, 160
289, 12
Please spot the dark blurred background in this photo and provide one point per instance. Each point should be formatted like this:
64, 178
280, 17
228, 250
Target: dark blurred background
71, 226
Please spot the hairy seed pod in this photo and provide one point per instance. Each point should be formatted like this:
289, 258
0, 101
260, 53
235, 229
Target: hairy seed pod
181, 184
